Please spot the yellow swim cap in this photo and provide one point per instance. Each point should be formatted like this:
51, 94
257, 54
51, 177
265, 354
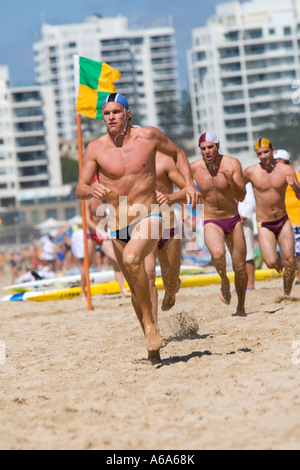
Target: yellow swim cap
263, 143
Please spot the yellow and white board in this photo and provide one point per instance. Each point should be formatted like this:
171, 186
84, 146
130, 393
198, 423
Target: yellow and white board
192, 280
66, 282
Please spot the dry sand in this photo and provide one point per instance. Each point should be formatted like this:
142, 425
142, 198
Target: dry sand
75, 379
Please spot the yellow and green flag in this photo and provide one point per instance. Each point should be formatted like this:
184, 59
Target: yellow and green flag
93, 82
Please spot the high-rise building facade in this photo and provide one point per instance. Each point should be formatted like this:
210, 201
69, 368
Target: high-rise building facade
241, 62
146, 59
29, 151
30, 167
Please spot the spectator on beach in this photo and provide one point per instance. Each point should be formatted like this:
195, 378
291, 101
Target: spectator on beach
48, 255
77, 248
246, 210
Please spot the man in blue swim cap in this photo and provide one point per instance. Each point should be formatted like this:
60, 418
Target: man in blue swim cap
116, 98
111, 123
124, 161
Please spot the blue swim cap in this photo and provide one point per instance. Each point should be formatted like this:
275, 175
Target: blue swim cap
116, 98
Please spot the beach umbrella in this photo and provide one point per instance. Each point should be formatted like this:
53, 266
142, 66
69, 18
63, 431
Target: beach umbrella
76, 220
50, 224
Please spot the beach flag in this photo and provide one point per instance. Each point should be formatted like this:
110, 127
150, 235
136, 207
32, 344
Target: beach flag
93, 82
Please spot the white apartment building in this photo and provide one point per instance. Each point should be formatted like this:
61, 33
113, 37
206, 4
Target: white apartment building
29, 151
246, 57
146, 59
30, 168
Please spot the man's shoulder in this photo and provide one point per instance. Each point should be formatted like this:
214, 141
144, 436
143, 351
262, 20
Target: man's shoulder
100, 140
252, 168
231, 161
197, 164
95, 145
284, 169
146, 132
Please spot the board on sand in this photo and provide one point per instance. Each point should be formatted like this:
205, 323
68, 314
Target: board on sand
66, 282
187, 280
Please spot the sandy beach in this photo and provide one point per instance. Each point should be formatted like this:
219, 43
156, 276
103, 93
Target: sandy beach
78, 379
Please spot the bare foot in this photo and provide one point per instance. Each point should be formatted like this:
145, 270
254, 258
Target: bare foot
126, 293
153, 340
240, 313
225, 294
154, 357
168, 301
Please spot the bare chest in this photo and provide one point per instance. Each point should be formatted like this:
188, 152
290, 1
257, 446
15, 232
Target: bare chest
130, 160
210, 182
265, 182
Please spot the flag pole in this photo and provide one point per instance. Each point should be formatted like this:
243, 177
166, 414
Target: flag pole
83, 214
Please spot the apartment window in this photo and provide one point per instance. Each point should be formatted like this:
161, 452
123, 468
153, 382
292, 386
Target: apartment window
287, 31
259, 49
32, 170
229, 52
240, 148
21, 97
29, 141
237, 137
253, 34
233, 95
136, 41
70, 212
201, 55
159, 38
31, 156
237, 109
232, 67
112, 42
260, 106
161, 50
232, 36
29, 126
51, 213
234, 81
271, 31
234, 123
35, 217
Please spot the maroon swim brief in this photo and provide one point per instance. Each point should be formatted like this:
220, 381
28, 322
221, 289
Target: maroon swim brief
167, 235
227, 225
275, 226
